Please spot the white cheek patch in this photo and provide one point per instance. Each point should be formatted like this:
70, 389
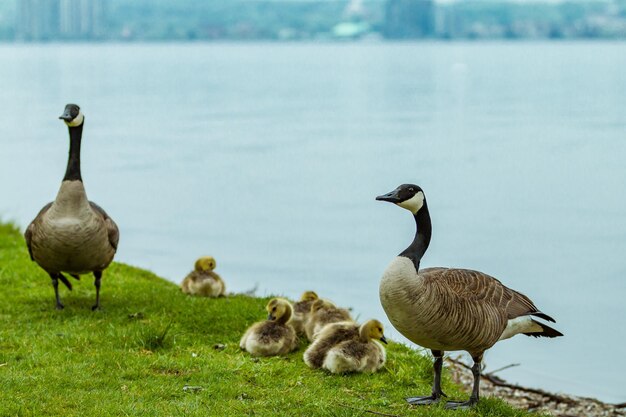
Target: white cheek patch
414, 203
78, 120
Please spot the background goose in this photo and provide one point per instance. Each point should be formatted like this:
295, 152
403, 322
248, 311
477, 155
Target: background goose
72, 234
359, 354
301, 311
323, 312
275, 336
202, 280
450, 309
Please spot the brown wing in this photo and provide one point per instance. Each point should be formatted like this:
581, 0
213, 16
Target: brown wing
28, 234
113, 231
482, 288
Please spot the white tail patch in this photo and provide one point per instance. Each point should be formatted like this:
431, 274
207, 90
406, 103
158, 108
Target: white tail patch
414, 203
522, 324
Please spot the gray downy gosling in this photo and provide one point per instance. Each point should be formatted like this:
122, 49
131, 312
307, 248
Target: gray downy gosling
448, 309
301, 310
359, 354
345, 334
202, 280
72, 234
323, 312
272, 337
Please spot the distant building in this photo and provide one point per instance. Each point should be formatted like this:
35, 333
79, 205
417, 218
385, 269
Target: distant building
409, 19
60, 19
37, 20
81, 18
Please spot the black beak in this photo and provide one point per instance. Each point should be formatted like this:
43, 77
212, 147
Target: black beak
66, 116
70, 113
391, 197
270, 317
382, 339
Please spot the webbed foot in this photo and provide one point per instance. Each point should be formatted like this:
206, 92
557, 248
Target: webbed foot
461, 405
426, 400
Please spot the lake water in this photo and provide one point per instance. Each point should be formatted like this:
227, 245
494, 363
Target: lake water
269, 156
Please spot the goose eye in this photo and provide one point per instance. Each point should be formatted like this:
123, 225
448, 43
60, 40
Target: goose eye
274, 309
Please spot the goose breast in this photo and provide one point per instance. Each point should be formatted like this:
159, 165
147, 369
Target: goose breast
444, 309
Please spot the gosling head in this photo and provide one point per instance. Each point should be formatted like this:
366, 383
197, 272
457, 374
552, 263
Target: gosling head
320, 304
205, 264
72, 116
372, 329
309, 296
407, 196
279, 310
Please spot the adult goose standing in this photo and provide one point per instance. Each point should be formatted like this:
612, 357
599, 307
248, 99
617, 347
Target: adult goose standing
447, 308
72, 234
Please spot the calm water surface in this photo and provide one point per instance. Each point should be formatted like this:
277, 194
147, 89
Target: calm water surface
269, 157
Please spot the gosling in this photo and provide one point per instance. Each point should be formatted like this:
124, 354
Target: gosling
203, 281
323, 312
272, 337
330, 336
301, 311
360, 354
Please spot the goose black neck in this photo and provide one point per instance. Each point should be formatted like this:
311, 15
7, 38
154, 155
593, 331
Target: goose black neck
73, 163
422, 237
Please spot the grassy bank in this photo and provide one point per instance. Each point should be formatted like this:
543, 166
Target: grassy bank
152, 351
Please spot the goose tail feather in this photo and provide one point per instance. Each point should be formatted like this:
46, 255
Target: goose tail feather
546, 331
543, 316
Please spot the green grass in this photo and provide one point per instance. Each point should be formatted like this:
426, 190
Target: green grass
151, 351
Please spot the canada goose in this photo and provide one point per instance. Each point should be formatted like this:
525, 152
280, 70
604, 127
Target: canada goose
450, 309
323, 312
301, 310
202, 280
359, 354
275, 336
72, 234
352, 337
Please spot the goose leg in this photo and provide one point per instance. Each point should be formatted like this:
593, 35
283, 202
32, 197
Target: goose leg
473, 399
437, 393
98, 276
55, 284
